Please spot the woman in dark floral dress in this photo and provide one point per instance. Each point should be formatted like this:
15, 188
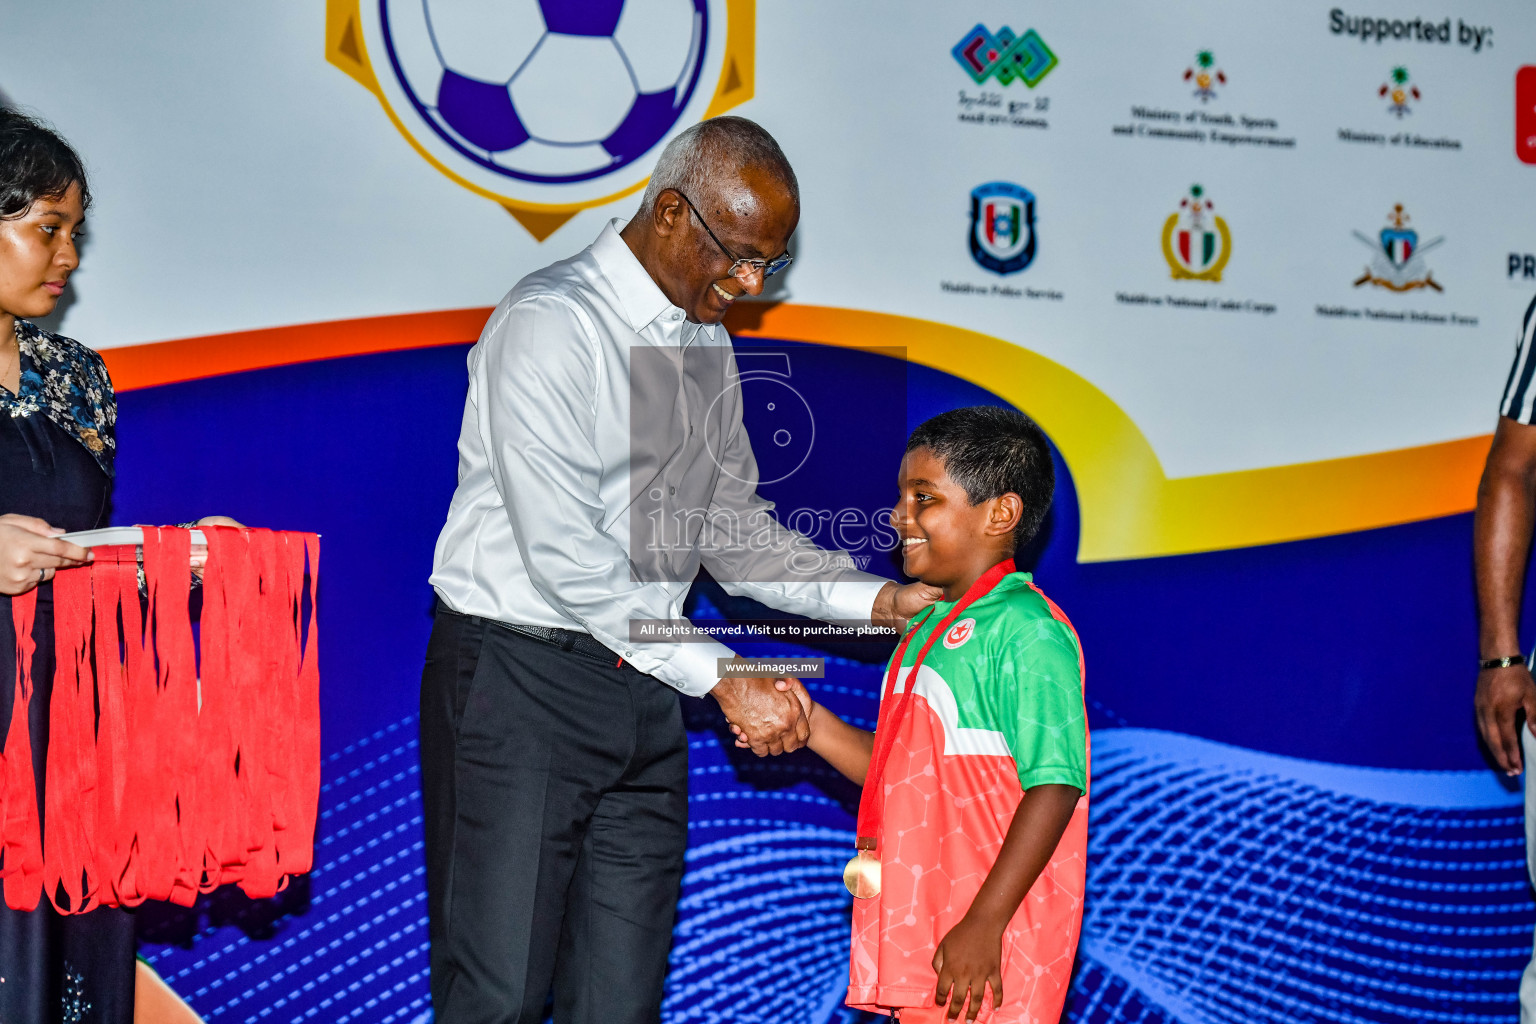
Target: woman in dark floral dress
57, 441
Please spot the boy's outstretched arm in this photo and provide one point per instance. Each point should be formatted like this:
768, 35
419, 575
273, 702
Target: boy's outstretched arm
970, 957
845, 747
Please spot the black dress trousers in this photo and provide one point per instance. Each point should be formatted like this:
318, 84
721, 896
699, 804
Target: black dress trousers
555, 790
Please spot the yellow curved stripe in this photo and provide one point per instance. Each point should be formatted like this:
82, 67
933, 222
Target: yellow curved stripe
1129, 507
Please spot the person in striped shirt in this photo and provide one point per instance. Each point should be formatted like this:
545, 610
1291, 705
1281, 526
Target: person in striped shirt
1506, 514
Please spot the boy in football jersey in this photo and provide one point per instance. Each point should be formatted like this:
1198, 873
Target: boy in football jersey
974, 818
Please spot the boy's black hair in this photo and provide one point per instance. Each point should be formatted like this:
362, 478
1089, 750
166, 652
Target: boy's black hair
35, 163
989, 452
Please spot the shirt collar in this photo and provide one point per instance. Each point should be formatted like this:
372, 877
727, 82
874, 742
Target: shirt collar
642, 300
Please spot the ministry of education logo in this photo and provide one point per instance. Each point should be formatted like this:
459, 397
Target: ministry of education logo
1205, 75
1397, 257
1196, 242
1399, 92
1006, 57
1002, 227
547, 107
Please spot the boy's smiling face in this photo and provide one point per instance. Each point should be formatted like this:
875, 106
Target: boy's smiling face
945, 540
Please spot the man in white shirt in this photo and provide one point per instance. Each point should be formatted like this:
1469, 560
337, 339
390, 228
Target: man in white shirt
602, 460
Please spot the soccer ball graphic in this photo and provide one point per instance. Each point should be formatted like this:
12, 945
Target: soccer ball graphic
547, 91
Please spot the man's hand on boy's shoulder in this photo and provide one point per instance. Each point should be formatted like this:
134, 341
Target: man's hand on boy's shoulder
969, 959
897, 603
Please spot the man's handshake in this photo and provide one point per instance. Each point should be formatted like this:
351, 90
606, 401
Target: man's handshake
762, 717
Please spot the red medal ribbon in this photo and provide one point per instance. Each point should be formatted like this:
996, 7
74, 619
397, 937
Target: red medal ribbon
894, 712
19, 834
168, 774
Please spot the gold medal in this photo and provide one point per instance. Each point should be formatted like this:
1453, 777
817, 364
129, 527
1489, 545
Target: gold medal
862, 873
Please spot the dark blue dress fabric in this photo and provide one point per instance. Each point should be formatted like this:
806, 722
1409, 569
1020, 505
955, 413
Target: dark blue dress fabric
56, 445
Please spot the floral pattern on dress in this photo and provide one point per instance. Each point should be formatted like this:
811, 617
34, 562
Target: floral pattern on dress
68, 383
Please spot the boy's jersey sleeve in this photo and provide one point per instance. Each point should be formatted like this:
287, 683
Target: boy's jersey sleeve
1041, 704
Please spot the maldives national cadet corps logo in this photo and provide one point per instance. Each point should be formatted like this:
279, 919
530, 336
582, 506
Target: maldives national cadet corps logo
1002, 227
545, 106
1005, 56
959, 633
1196, 242
1397, 260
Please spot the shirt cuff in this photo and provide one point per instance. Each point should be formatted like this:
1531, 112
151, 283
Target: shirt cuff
690, 668
854, 599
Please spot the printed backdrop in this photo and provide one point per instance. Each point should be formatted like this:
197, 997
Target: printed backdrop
1257, 270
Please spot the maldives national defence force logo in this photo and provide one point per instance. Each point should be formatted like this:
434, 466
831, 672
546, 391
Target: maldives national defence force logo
1397, 257
545, 106
1196, 242
1004, 56
1002, 227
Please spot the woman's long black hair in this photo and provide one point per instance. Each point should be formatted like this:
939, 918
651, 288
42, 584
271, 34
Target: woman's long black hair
35, 163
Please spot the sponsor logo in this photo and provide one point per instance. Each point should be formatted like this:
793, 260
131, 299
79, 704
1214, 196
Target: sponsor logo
1004, 56
1196, 242
545, 107
1002, 227
1205, 76
960, 633
1399, 92
1397, 256
1525, 114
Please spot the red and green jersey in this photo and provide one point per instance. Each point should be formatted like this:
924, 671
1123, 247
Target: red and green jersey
997, 707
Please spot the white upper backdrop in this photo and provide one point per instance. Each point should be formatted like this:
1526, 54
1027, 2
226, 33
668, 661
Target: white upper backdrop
242, 181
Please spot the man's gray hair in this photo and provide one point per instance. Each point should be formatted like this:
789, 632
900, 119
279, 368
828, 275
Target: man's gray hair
708, 153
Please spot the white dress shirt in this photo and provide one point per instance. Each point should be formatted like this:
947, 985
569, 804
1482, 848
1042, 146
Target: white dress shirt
602, 460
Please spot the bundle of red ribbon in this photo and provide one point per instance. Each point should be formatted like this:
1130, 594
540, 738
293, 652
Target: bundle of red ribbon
176, 763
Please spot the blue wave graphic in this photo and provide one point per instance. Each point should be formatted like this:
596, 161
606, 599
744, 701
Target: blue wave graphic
1225, 886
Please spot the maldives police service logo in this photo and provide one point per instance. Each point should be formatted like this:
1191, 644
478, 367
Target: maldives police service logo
1397, 256
1196, 242
1002, 227
546, 106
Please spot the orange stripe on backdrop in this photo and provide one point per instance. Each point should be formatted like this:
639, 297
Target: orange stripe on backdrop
1129, 508
167, 362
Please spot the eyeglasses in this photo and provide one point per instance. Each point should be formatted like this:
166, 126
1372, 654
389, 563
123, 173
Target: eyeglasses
741, 269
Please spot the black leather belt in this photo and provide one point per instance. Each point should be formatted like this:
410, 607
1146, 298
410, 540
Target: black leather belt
565, 639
